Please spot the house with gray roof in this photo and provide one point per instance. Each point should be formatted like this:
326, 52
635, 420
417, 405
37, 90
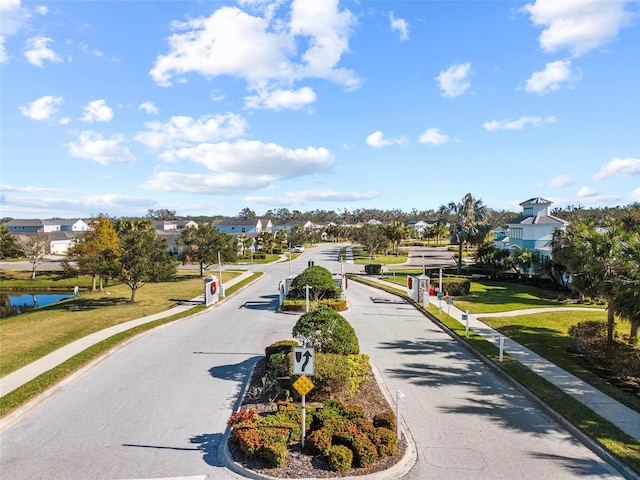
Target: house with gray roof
534, 228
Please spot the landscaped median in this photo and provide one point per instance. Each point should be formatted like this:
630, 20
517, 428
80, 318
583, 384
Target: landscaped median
28, 337
549, 339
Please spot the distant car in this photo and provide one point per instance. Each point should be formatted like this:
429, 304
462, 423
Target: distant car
298, 249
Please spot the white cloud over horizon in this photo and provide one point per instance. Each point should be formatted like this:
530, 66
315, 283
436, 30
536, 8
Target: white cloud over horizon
619, 167
94, 146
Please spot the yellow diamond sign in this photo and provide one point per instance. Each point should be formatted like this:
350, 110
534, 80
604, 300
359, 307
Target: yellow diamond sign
303, 385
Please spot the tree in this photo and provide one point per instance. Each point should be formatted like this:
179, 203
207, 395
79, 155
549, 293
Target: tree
96, 252
625, 301
143, 256
438, 230
201, 245
161, 214
327, 331
591, 256
468, 215
9, 247
246, 214
267, 241
320, 282
371, 237
297, 235
396, 232
522, 259
35, 248
280, 238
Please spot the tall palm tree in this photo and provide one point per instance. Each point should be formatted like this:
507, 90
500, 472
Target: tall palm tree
591, 256
470, 214
626, 298
397, 231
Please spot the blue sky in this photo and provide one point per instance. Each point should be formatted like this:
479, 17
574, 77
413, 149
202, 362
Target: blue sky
207, 107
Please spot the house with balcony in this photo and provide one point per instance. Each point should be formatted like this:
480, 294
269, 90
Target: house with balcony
534, 228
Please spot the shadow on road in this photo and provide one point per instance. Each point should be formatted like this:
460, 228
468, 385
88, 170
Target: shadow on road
439, 365
270, 302
236, 372
208, 443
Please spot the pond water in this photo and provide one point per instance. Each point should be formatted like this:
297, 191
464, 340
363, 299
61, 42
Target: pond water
16, 303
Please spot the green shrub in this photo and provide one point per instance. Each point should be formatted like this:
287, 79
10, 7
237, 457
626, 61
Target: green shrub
385, 420
275, 454
385, 441
373, 269
321, 282
319, 441
358, 368
248, 439
457, 288
259, 255
300, 305
327, 331
282, 346
340, 458
331, 378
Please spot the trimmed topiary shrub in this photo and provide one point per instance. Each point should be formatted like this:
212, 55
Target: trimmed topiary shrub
373, 269
321, 282
340, 458
282, 346
327, 331
385, 441
385, 420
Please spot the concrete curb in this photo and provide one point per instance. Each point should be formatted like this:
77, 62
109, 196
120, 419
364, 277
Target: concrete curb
394, 472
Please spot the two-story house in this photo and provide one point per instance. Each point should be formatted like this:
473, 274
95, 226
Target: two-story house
534, 228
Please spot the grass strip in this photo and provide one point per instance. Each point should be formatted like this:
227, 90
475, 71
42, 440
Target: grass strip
606, 434
38, 385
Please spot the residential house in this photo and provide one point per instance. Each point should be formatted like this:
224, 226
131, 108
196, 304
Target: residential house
60, 232
291, 224
235, 226
534, 229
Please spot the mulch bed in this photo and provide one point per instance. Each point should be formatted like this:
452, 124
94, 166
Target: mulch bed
300, 464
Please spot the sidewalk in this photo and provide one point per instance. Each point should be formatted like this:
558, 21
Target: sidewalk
29, 372
618, 414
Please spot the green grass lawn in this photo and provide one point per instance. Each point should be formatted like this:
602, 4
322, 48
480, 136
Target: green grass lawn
34, 334
546, 334
361, 257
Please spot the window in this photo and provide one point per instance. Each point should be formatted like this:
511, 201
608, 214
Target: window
515, 233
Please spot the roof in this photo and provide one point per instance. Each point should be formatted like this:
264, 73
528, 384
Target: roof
236, 222
536, 201
538, 220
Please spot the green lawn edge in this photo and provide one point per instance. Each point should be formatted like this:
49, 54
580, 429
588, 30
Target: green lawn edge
609, 437
25, 393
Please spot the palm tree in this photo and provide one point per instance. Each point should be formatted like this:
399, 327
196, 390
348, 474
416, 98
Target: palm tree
396, 232
522, 259
626, 298
591, 256
469, 215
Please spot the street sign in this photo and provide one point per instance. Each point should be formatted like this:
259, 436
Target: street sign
303, 385
440, 295
303, 363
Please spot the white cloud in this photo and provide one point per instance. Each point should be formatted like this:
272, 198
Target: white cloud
148, 107
579, 26
182, 131
589, 196
432, 136
261, 50
586, 192
42, 109
619, 167
12, 19
209, 184
519, 124
97, 111
635, 196
37, 51
560, 181
401, 25
267, 160
551, 77
4, 56
377, 140
281, 99
93, 146
453, 81
302, 197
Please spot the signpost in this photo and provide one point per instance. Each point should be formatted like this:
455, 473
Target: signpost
303, 364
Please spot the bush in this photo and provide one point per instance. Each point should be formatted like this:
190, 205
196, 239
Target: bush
275, 454
340, 458
282, 346
373, 269
457, 288
327, 331
385, 420
321, 282
300, 305
386, 441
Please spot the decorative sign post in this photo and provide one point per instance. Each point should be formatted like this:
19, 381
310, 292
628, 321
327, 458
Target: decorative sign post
303, 364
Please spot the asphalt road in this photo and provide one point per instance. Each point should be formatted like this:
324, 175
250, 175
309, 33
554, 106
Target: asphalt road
158, 408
